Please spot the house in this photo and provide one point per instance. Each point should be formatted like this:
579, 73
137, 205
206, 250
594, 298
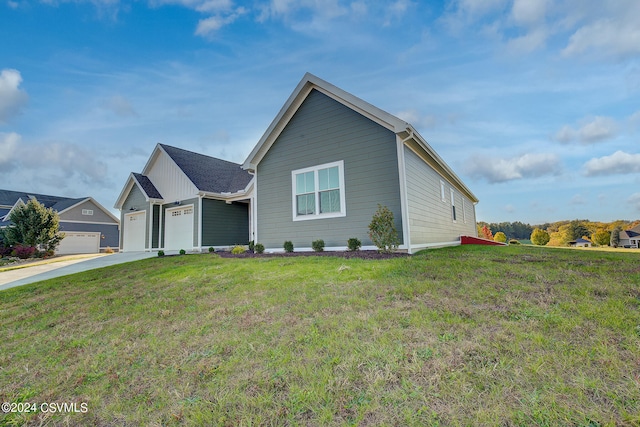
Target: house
329, 158
580, 243
630, 238
319, 172
87, 225
185, 200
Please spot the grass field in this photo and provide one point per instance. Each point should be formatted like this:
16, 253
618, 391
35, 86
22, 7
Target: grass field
467, 335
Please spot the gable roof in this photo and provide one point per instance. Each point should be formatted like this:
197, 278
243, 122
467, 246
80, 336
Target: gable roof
209, 174
147, 187
405, 131
632, 232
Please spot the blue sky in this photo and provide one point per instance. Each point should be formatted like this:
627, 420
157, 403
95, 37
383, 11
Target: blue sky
534, 104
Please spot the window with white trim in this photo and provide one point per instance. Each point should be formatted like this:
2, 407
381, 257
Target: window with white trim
318, 192
442, 191
453, 205
87, 211
464, 210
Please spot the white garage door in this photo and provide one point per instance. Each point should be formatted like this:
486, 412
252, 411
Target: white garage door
134, 232
75, 242
178, 226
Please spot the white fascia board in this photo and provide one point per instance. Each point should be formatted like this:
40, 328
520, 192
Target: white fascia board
125, 191
300, 93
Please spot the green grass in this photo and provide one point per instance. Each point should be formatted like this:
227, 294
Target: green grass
459, 336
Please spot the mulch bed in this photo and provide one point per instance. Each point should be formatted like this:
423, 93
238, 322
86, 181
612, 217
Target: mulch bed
342, 254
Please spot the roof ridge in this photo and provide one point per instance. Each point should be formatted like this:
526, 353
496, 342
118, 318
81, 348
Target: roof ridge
199, 154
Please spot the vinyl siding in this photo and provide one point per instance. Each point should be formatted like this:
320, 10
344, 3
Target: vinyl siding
169, 179
75, 214
135, 199
224, 224
324, 131
430, 218
110, 235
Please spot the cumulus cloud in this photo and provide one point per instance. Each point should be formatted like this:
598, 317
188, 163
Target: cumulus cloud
9, 143
12, 98
617, 163
496, 170
596, 129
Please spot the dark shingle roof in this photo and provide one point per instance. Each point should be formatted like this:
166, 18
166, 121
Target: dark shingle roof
208, 173
147, 186
9, 198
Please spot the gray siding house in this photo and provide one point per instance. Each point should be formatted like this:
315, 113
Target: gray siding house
630, 238
87, 225
329, 158
319, 172
185, 200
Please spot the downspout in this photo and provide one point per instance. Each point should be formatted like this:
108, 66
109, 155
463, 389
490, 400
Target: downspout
404, 202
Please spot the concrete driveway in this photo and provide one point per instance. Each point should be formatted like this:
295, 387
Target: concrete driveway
49, 269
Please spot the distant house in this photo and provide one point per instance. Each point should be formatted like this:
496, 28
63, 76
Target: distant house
630, 238
88, 226
580, 243
185, 200
319, 172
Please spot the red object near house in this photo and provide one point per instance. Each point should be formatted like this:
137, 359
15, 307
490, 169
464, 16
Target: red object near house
469, 240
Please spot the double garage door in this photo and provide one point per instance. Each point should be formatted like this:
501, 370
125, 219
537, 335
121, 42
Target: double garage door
76, 242
178, 230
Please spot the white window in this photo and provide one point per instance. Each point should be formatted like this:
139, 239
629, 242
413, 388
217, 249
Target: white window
453, 205
442, 191
318, 192
87, 211
464, 210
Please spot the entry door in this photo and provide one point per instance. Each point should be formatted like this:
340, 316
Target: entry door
178, 228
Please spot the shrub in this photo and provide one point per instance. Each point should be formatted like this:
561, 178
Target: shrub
161, 253
288, 246
514, 242
108, 250
382, 230
540, 237
211, 249
23, 252
252, 246
5, 251
500, 237
318, 245
182, 252
238, 249
354, 244
259, 248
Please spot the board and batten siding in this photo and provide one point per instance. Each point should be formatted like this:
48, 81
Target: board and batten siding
224, 224
75, 214
137, 200
169, 179
430, 217
323, 131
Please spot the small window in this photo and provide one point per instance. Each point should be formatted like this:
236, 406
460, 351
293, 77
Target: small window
318, 192
87, 211
442, 192
464, 210
453, 205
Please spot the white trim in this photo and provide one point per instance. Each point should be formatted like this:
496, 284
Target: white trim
454, 214
317, 214
404, 198
420, 246
200, 221
442, 192
150, 226
89, 222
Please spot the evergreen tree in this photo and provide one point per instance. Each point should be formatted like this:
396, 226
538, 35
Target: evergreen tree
34, 225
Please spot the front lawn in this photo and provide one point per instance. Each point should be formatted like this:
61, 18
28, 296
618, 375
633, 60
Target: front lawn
471, 335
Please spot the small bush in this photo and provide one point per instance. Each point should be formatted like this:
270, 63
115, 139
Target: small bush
238, 249
382, 230
182, 252
288, 246
259, 248
5, 251
500, 237
108, 250
514, 242
211, 249
161, 253
252, 246
23, 252
354, 244
318, 245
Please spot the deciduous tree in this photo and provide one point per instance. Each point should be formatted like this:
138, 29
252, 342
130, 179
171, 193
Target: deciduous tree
540, 237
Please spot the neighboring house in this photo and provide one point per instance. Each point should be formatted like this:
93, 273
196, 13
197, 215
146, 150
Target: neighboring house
319, 172
88, 226
185, 200
630, 238
580, 243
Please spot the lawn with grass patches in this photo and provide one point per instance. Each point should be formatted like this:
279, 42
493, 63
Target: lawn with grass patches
458, 336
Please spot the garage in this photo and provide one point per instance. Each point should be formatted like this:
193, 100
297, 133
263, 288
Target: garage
134, 232
179, 228
75, 242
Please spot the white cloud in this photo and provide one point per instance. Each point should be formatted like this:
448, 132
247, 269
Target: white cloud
528, 12
607, 37
496, 170
529, 42
565, 135
9, 143
634, 200
12, 98
120, 106
596, 129
617, 163
210, 25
